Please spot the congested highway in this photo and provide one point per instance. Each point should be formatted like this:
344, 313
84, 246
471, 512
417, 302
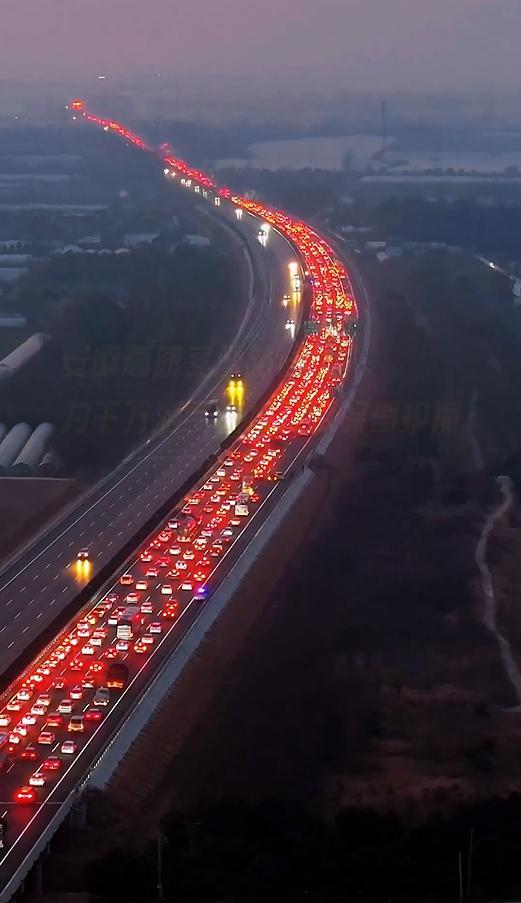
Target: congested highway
41, 582
56, 717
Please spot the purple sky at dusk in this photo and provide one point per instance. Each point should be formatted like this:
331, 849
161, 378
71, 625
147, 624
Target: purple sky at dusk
405, 44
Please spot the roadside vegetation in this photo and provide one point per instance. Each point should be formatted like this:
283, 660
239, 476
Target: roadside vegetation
131, 334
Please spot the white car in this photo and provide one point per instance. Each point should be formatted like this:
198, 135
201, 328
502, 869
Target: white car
87, 650
187, 585
142, 585
175, 550
147, 640
29, 718
121, 646
76, 693
96, 641
181, 565
37, 779
24, 694
69, 747
166, 589
155, 627
5, 720
37, 709
65, 707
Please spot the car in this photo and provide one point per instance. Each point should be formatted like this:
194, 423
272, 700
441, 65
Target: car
83, 554
68, 747
76, 724
76, 693
87, 649
37, 779
83, 632
5, 719
29, 754
44, 699
166, 589
155, 627
29, 718
188, 555
121, 646
141, 585
146, 608
93, 715
102, 697
14, 705
146, 557
54, 719
132, 599
227, 532
96, 641
181, 565
52, 763
24, 694
46, 738
175, 550
110, 653
200, 575
187, 585
14, 739
65, 707
112, 598
164, 536
26, 794
77, 664
126, 580
88, 683
38, 709
235, 522
151, 572
140, 648
211, 411
173, 524
147, 640
163, 562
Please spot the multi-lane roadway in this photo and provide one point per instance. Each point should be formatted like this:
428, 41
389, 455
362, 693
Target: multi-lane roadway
42, 582
61, 712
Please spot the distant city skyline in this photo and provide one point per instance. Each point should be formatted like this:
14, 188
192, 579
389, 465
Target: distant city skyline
447, 45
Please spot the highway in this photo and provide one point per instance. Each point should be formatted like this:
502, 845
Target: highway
59, 715
42, 582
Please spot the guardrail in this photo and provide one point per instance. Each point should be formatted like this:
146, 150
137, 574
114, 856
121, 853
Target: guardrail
131, 724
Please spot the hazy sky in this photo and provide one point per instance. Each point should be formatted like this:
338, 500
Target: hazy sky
381, 43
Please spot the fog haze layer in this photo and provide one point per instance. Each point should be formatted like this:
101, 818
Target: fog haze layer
391, 44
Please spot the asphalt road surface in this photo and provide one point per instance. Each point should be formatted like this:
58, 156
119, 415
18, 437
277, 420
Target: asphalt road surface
42, 582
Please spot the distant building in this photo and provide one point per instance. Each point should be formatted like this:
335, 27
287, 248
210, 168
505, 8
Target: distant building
197, 241
139, 239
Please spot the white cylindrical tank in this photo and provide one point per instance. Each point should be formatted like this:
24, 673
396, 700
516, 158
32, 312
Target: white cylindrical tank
12, 444
49, 465
33, 451
22, 354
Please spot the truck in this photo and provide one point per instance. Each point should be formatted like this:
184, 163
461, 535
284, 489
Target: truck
241, 505
117, 676
124, 629
186, 527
